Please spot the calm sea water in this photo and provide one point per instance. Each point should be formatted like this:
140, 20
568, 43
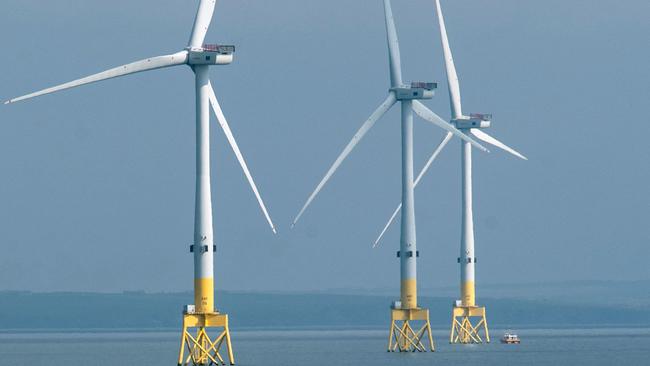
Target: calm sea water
610, 346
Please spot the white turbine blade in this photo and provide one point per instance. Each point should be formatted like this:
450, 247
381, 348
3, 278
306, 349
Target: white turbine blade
132, 68
393, 46
233, 144
202, 22
428, 115
452, 76
367, 125
390, 221
433, 157
492, 141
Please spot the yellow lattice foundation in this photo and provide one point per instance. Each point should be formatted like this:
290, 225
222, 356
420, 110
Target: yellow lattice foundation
463, 329
403, 336
201, 349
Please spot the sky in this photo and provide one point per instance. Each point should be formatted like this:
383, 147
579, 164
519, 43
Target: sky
97, 187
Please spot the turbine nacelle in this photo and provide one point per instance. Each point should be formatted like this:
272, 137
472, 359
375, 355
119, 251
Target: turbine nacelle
417, 90
474, 120
211, 54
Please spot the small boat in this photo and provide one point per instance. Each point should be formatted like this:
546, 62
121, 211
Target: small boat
510, 338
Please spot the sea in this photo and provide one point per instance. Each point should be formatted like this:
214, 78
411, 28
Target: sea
301, 347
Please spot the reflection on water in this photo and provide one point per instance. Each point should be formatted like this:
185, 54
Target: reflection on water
624, 346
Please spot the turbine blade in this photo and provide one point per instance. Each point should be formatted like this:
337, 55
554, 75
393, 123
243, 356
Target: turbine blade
367, 125
428, 115
450, 69
132, 68
202, 22
394, 58
492, 141
390, 221
433, 157
233, 144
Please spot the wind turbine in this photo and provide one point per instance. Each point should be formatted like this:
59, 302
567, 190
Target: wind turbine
407, 310
462, 330
199, 56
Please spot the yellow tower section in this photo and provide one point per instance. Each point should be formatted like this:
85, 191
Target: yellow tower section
204, 295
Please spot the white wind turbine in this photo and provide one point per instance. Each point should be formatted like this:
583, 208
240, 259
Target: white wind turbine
398, 92
408, 96
199, 57
471, 124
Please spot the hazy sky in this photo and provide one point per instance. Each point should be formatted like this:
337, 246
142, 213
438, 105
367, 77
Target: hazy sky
97, 187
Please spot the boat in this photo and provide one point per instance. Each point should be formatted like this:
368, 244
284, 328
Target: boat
510, 338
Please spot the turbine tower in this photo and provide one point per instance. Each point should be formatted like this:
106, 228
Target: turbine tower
402, 335
463, 329
199, 56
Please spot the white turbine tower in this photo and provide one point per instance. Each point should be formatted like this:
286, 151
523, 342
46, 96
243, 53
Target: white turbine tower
406, 310
199, 57
462, 331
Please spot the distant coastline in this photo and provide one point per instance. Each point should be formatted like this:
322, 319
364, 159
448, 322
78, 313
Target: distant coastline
22, 310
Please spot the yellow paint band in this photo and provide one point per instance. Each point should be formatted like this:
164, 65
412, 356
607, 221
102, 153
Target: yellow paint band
468, 293
409, 294
204, 295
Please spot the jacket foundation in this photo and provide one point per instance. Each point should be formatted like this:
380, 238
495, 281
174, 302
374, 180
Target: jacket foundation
410, 331
200, 347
